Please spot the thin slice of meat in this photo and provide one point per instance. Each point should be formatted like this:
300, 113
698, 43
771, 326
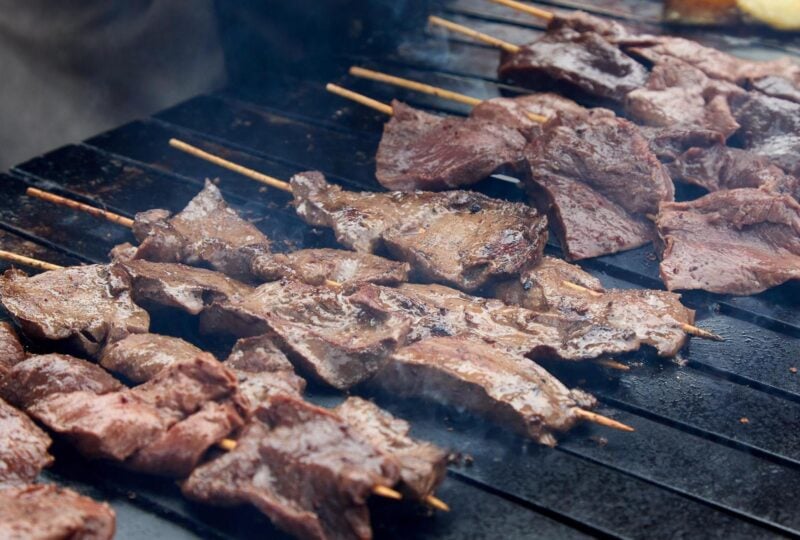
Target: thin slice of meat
739, 241
140, 357
323, 333
423, 151
11, 350
83, 307
771, 127
316, 266
422, 465
206, 232
303, 467
669, 142
468, 373
178, 286
44, 511
23, 453
777, 87
460, 238
645, 316
515, 112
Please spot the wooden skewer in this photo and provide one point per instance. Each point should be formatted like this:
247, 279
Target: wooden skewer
437, 503
359, 98
91, 210
27, 261
579, 288
612, 364
427, 89
525, 8
474, 34
601, 420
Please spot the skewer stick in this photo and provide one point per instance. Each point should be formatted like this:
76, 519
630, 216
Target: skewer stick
474, 34
612, 364
437, 503
75, 205
427, 89
525, 8
27, 261
579, 288
601, 420
224, 163
360, 98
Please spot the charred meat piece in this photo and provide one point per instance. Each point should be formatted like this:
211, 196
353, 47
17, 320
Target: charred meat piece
41, 511
206, 232
469, 373
41, 376
324, 334
23, 453
739, 241
596, 177
678, 94
84, 307
428, 152
422, 465
771, 127
263, 370
669, 142
642, 316
514, 112
303, 467
140, 357
315, 266
11, 350
457, 237
178, 286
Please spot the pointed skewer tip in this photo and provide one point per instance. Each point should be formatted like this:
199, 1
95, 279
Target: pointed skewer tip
601, 420
389, 493
437, 503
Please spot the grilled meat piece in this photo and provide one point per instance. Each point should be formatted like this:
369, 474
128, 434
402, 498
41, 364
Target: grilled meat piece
642, 316
428, 152
263, 370
11, 350
669, 142
777, 87
23, 453
457, 237
422, 465
206, 232
315, 266
42, 511
514, 112
323, 332
739, 241
469, 373
41, 376
303, 467
84, 307
771, 127
178, 286
140, 357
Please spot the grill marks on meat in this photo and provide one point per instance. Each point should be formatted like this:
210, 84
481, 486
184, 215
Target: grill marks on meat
640, 316
315, 266
303, 467
487, 380
324, 334
597, 176
422, 464
84, 307
740, 241
23, 453
458, 237
50, 512
140, 357
11, 350
771, 127
423, 151
206, 232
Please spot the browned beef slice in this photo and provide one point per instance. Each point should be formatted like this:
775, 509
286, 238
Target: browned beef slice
315, 266
139, 357
422, 464
322, 331
771, 127
515, 111
669, 142
207, 231
49, 512
423, 151
11, 350
41, 376
777, 86
678, 94
457, 237
469, 373
84, 306
584, 59
643, 316
739, 241
263, 371
23, 453
178, 286
303, 467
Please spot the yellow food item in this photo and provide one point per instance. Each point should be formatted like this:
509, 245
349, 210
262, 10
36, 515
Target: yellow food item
779, 14
701, 11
